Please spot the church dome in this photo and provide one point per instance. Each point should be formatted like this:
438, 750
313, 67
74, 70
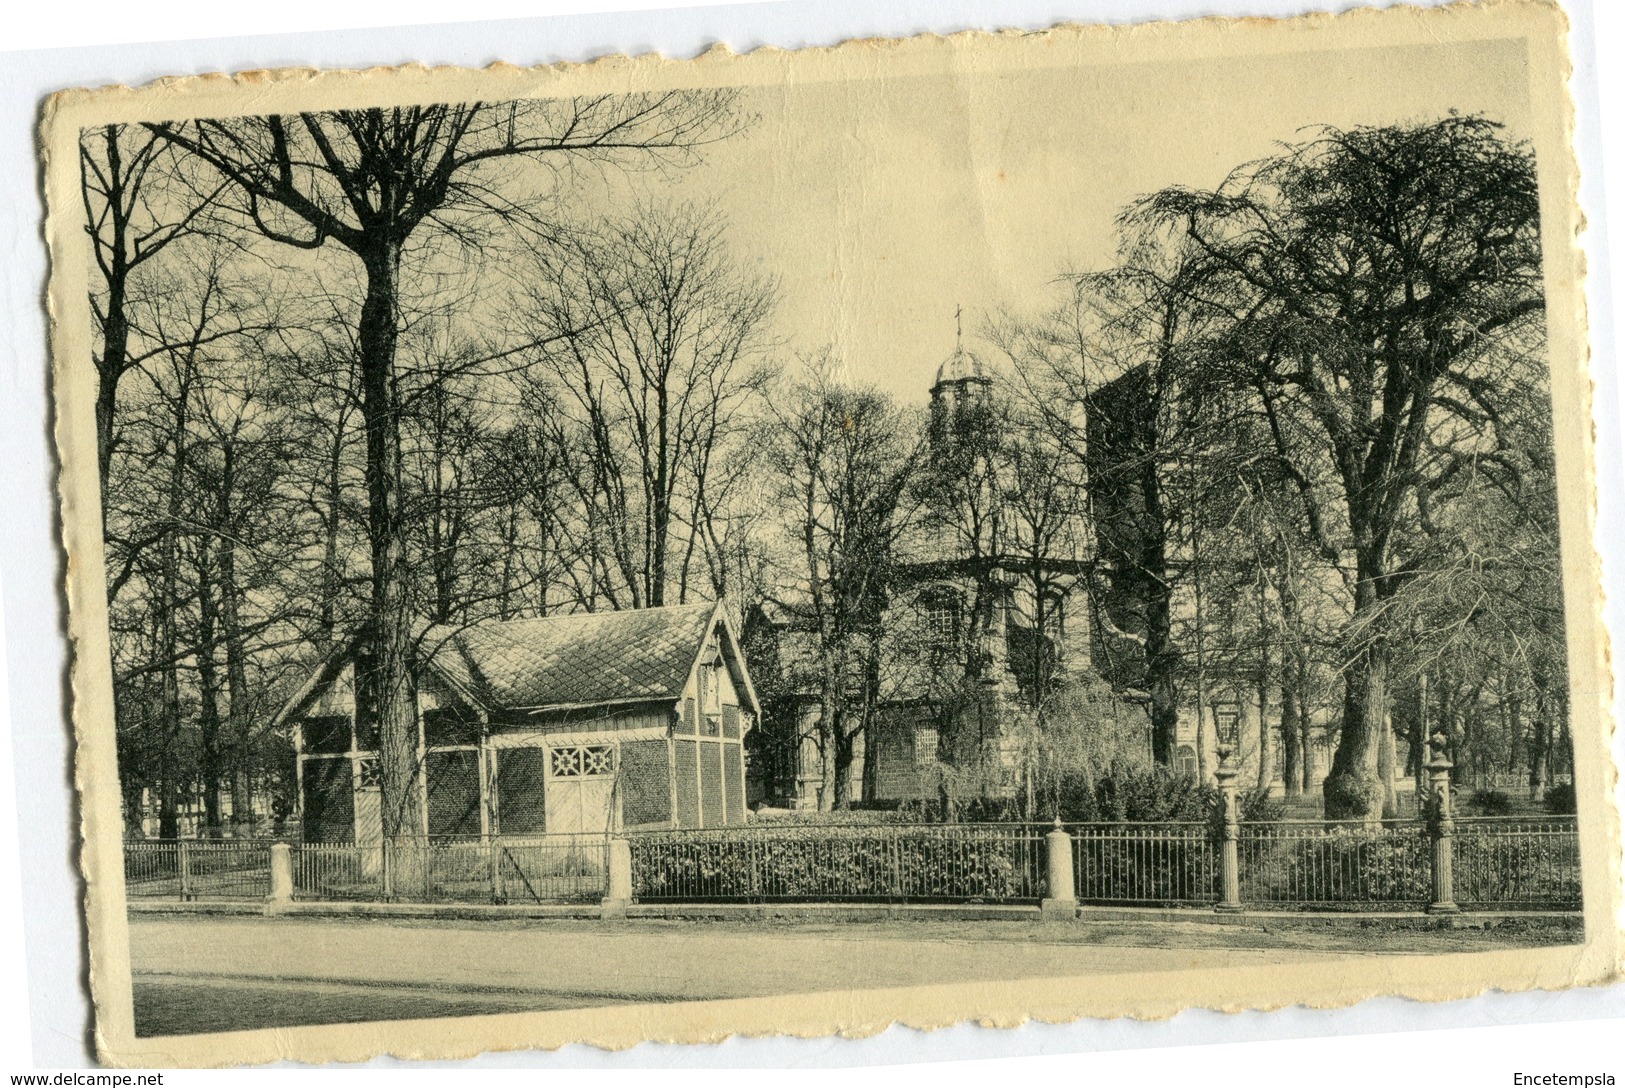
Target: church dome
961, 366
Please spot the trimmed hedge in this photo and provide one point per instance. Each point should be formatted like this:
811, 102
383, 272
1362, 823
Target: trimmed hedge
838, 862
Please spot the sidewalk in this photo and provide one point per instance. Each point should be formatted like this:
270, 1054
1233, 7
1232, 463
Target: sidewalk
858, 913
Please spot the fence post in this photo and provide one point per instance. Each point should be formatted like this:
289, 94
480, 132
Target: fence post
618, 896
1441, 829
185, 863
896, 857
1062, 902
281, 878
386, 860
1229, 829
499, 892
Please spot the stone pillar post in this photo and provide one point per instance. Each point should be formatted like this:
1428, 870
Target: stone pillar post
1062, 902
1441, 829
281, 878
184, 862
618, 894
1228, 825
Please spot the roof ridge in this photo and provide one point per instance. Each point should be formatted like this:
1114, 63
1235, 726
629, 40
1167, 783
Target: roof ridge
582, 658
458, 629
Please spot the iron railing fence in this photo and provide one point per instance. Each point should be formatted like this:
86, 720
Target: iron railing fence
1329, 865
940, 863
1530, 863
539, 869
338, 871
1161, 864
1506, 863
197, 869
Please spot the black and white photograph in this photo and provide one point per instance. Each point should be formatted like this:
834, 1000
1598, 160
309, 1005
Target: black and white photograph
1047, 524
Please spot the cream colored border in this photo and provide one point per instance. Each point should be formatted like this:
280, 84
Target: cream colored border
1540, 23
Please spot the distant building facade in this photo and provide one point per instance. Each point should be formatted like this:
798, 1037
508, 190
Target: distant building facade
976, 629
985, 620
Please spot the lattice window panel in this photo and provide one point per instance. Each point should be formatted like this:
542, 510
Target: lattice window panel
582, 761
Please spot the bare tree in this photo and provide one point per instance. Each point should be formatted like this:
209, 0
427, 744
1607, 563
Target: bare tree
387, 185
664, 353
139, 200
842, 458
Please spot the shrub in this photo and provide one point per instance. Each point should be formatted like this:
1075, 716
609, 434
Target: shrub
1157, 794
1257, 806
778, 817
1491, 869
1560, 800
1490, 803
1343, 865
837, 862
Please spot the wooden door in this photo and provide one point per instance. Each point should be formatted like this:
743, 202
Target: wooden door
581, 789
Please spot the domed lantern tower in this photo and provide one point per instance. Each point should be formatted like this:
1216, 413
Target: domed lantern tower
961, 379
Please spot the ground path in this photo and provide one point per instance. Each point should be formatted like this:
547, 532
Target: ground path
213, 973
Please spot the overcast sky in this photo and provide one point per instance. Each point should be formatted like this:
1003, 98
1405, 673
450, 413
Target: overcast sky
879, 205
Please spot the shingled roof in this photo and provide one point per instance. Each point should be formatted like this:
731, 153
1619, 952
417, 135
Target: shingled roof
582, 659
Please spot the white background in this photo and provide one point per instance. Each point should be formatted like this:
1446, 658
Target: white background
43, 1012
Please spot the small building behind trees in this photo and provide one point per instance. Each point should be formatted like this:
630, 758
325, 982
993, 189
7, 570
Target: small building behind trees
580, 723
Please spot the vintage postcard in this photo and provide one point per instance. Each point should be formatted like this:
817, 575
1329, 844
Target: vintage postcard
1015, 525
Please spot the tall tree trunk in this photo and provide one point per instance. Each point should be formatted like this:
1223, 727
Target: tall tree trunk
169, 792
829, 728
661, 504
211, 762
391, 626
1265, 758
871, 727
1204, 761
1161, 662
1565, 745
510, 545
1540, 733
111, 365
115, 323
1291, 737
1353, 789
1387, 757
168, 642
1300, 779
1161, 654
332, 582
1512, 716
239, 720
1471, 748
1419, 737
844, 746
1306, 725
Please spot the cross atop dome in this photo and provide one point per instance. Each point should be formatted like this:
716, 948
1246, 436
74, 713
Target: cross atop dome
962, 374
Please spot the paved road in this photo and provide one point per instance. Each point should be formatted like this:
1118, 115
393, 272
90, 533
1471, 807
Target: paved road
221, 973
